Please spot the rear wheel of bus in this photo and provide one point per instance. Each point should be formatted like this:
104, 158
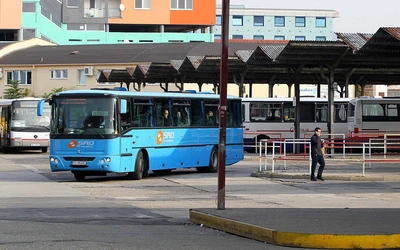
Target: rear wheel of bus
141, 168
213, 163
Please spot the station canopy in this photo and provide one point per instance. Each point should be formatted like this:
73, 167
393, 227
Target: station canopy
362, 58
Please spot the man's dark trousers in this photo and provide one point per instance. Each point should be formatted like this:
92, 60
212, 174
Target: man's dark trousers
317, 159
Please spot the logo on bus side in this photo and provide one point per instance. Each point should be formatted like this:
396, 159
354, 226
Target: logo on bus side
72, 144
159, 137
80, 144
164, 136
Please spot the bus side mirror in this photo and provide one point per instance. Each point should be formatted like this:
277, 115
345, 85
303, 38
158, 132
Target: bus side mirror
123, 106
39, 108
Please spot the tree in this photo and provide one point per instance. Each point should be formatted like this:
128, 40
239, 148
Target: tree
13, 91
53, 91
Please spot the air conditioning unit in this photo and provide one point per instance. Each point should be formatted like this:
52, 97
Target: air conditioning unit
88, 71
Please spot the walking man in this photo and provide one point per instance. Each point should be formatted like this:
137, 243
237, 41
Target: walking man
317, 155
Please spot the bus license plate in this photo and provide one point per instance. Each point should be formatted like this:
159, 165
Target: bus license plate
35, 145
80, 163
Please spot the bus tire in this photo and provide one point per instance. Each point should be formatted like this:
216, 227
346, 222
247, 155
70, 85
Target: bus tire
44, 150
140, 167
79, 176
213, 163
6, 150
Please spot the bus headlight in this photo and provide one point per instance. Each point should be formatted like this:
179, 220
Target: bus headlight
104, 160
52, 159
18, 138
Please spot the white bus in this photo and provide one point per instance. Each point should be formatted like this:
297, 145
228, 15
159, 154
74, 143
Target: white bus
267, 118
21, 128
374, 116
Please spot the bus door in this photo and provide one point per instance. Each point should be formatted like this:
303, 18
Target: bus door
4, 134
127, 140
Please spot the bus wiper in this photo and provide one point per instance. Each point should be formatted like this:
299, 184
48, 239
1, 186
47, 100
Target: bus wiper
97, 132
41, 126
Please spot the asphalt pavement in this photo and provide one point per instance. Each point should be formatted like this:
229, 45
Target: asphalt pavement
323, 228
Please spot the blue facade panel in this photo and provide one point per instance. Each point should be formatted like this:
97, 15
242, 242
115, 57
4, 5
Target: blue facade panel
278, 25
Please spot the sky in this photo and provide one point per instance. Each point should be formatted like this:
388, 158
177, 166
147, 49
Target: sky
355, 16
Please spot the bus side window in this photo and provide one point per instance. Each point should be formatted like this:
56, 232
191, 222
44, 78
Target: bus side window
126, 120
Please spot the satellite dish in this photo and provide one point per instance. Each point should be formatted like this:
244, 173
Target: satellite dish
122, 7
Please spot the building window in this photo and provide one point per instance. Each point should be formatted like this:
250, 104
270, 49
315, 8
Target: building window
300, 38
142, 4
82, 77
237, 20
237, 36
28, 33
279, 37
22, 76
29, 7
258, 20
279, 21
59, 74
320, 22
320, 38
300, 21
72, 3
181, 4
218, 37
258, 37
218, 20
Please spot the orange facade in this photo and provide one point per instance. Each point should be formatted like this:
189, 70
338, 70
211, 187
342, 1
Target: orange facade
10, 14
203, 13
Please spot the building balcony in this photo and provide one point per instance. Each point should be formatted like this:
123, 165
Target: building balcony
94, 13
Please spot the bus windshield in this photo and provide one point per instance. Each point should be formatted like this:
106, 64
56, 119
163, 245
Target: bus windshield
24, 115
84, 116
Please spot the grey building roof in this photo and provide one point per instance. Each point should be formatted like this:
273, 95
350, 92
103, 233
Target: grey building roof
98, 54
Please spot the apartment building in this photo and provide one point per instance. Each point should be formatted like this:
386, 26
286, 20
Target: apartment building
277, 24
72, 22
10, 20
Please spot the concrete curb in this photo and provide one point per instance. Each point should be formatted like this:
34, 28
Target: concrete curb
294, 239
330, 177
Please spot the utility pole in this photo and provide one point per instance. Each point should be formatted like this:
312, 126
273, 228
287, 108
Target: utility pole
223, 85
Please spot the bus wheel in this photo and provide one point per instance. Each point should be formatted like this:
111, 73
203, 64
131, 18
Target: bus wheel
5, 150
44, 150
213, 164
79, 176
140, 167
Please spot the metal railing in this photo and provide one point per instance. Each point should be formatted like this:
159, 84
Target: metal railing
374, 145
282, 157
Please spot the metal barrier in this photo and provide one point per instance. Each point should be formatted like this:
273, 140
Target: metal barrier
370, 160
282, 157
266, 133
347, 142
366, 152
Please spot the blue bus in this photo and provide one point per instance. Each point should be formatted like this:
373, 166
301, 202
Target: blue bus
95, 132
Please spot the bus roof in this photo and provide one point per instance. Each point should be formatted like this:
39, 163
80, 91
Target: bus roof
376, 100
144, 94
9, 101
